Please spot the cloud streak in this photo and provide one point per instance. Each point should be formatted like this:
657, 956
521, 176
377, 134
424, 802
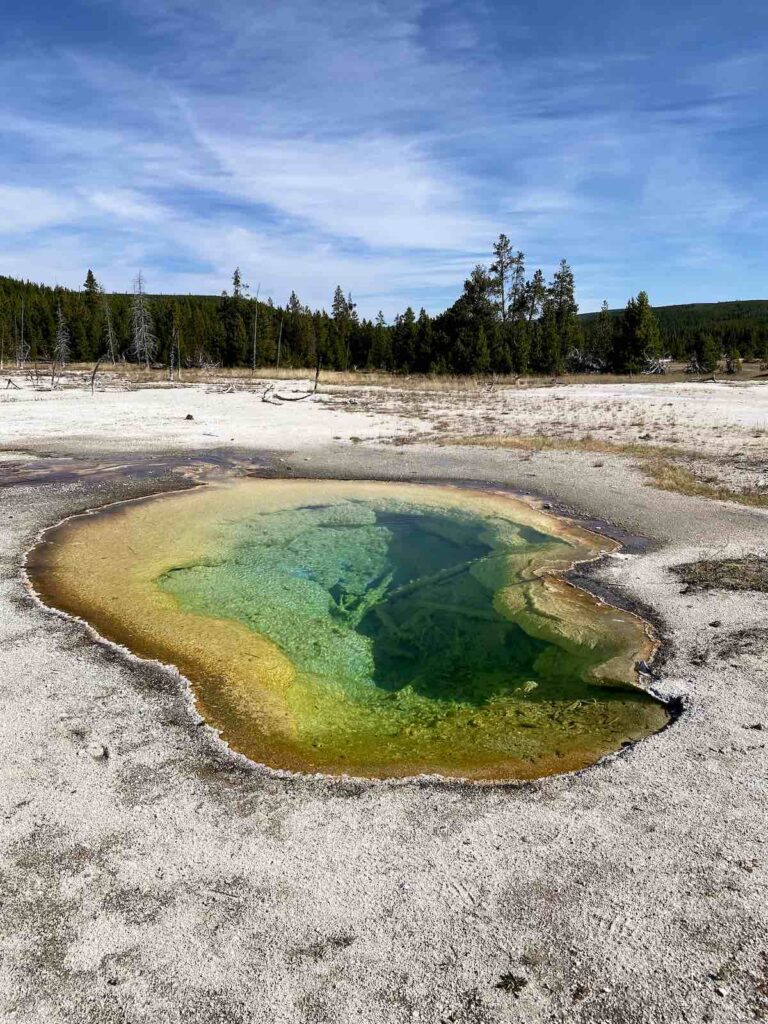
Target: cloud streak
381, 145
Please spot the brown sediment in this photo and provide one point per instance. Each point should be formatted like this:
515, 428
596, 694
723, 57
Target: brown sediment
103, 567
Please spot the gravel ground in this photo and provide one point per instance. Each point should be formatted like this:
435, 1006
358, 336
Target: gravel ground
173, 881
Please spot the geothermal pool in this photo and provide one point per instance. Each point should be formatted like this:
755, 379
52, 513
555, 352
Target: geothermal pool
368, 629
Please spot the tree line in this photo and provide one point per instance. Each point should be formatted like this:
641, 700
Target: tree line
506, 320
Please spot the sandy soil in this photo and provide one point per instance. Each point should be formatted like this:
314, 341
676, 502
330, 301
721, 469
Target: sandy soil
174, 881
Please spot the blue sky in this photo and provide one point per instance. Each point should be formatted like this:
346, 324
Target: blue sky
384, 145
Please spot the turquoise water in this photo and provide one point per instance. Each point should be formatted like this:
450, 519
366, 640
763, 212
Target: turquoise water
386, 630
390, 616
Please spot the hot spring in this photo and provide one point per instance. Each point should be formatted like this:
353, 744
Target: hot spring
368, 629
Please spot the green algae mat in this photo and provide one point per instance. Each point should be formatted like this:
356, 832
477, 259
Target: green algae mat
368, 629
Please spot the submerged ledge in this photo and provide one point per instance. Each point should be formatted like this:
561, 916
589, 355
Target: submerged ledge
571, 700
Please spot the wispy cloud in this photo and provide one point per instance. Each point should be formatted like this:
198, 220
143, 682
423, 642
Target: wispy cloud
380, 144
24, 209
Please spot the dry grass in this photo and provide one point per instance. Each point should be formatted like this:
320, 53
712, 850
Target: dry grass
543, 442
668, 476
749, 573
376, 378
656, 462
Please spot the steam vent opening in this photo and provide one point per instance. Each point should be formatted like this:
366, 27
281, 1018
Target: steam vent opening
368, 629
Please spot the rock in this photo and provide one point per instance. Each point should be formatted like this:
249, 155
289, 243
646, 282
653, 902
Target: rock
715, 623
645, 437
98, 751
189, 416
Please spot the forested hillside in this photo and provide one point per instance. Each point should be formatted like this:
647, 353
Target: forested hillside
505, 321
740, 325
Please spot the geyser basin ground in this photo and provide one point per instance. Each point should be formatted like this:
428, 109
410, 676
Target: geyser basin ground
371, 629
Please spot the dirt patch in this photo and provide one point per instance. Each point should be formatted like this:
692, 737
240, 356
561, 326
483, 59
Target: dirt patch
750, 573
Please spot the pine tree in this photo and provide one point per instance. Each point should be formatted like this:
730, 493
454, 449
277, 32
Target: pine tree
550, 352
233, 334
480, 361
706, 353
298, 340
535, 294
522, 343
237, 284
732, 360
637, 339
423, 347
380, 352
91, 289
342, 310
562, 298
602, 337
517, 287
354, 324
500, 269
404, 341
647, 327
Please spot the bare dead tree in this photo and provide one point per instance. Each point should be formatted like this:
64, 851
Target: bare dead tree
143, 339
175, 347
110, 338
22, 348
255, 329
279, 343
95, 369
60, 345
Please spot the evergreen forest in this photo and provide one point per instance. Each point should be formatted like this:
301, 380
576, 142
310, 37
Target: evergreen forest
506, 320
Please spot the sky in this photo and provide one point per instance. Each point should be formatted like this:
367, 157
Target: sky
384, 145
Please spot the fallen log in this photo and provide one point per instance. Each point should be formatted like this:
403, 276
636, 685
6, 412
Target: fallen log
272, 397
298, 398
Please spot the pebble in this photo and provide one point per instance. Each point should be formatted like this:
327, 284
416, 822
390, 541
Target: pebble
97, 751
